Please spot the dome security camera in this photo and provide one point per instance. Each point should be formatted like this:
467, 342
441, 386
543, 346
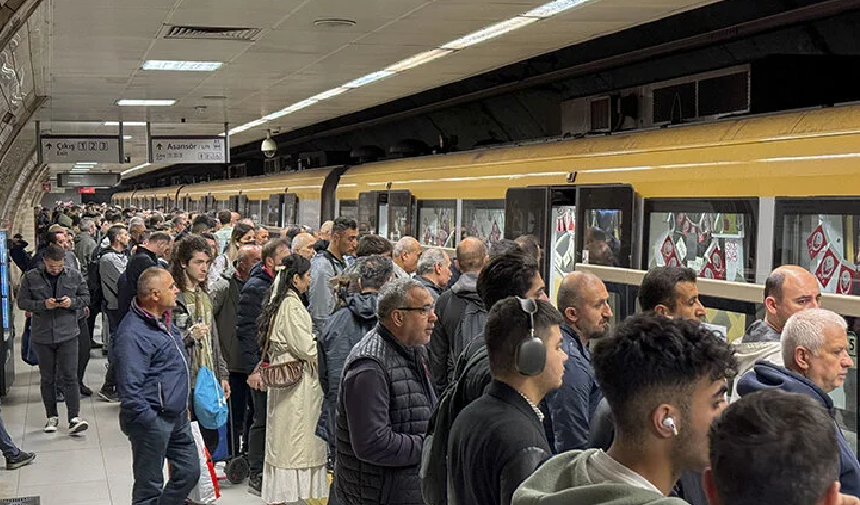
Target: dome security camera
269, 147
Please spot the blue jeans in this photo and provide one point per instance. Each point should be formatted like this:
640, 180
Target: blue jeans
7, 446
151, 444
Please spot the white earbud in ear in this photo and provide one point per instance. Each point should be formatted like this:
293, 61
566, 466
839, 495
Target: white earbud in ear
669, 423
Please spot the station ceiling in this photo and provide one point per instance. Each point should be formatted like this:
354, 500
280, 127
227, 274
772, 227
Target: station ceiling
97, 49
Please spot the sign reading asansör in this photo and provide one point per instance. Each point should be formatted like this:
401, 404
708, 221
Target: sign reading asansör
79, 148
187, 150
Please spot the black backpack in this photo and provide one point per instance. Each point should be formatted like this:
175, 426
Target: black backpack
94, 278
434, 454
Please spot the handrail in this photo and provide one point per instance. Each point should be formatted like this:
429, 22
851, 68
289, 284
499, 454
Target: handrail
847, 305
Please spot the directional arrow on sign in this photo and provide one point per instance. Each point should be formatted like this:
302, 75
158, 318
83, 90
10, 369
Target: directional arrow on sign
49, 145
158, 146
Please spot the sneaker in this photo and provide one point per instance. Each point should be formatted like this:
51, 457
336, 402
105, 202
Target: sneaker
77, 425
86, 392
255, 485
22, 459
110, 396
51, 425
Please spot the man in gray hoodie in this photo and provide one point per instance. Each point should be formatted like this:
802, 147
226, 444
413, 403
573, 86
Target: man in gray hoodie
787, 290
663, 408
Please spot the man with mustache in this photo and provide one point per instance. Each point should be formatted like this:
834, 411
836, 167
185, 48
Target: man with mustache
584, 303
815, 353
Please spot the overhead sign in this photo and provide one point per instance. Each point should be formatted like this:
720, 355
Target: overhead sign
187, 150
86, 191
90, 180
80, 148
46, 186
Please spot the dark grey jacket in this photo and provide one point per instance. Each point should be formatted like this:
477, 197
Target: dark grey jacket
461, 319
225, 307
52, 326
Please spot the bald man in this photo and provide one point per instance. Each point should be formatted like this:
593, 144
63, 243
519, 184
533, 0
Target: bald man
407, 252
787, 290
449, 336
584, 303
303, 245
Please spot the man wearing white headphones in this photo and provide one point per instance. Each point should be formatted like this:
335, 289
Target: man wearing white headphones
665, 382
499, 439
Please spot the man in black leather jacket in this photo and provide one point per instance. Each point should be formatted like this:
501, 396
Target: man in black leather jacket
498, 441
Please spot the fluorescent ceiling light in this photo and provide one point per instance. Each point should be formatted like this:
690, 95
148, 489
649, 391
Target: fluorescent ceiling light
418, 59
328, 94
367, 79
125, 123
142, 165
552, 8
490, 32
182, 66
85, 163
126, 137
126, 102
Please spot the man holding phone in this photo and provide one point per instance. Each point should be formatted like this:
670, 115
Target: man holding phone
54, 293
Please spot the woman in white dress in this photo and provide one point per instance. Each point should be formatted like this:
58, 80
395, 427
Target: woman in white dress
294, 467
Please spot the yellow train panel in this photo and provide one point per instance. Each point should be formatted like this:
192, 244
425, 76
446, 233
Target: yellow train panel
694, 160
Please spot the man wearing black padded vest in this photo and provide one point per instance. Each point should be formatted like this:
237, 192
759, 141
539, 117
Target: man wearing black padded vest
499, 440
385, 402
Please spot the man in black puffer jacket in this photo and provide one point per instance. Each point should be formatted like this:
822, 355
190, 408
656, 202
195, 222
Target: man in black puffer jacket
385, 402
250, 305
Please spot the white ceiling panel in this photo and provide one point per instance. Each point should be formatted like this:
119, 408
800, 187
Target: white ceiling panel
97, 47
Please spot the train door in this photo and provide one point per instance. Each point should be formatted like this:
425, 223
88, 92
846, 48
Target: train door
290, 209
548, 214
368, 212
823, 236
606, 218
233, 203
243, 207
274, 211
401, 212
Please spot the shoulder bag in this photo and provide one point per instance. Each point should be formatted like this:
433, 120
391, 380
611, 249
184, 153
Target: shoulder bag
280, 376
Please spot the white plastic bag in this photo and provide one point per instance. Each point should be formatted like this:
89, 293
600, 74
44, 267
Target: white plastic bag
206, 491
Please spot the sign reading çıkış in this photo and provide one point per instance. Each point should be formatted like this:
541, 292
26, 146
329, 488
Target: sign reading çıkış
80, 148
187, 150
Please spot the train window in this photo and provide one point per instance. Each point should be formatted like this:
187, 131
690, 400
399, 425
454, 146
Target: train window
436, 222
349, 209
602, 237
484, 219
716, 238
562, 250
823, 237
290, 209
309, 213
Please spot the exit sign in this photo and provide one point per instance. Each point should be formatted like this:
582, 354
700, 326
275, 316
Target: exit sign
46, 186
86, 191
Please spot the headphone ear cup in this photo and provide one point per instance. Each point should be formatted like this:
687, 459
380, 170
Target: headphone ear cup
531, 356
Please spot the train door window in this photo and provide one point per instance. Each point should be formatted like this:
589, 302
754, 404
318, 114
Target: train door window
436, 222
273, 210
242, 206
209, 203
309, 213
255, 211
716, 238
823, 236
562, 238
483, 219
349, 209
290, 209
605, 225
367, 212
400, 215
233, 204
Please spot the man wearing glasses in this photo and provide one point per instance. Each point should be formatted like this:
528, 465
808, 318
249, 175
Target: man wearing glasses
385, 402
